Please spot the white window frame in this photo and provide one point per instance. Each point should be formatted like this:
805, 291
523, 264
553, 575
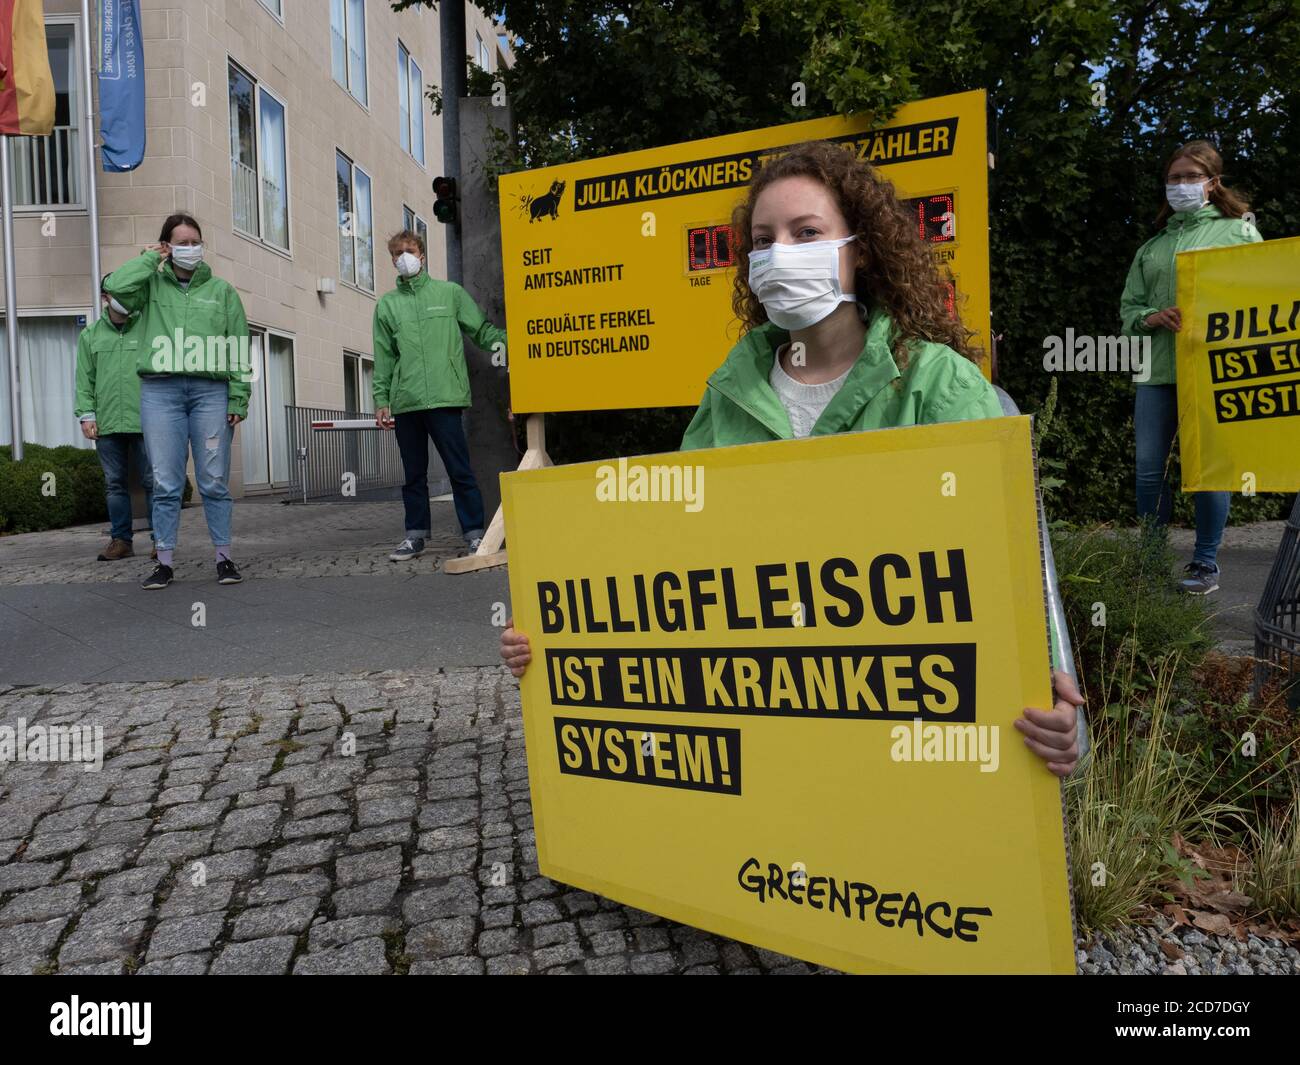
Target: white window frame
358, 359
412, 116
258, 89
267, 332
416, 223
352, 185
277, 15
347, 70
79, 208
483, 53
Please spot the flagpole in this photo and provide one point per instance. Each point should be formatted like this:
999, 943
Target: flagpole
11, 303
88, 141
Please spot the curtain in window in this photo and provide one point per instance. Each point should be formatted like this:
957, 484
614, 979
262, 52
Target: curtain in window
357, 48
417, 111
279, 394
47, 367
365, 236
338, 43
403, 96
275, 174
252, 430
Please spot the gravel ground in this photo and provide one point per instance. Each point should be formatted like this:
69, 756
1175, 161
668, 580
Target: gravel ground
1137, 951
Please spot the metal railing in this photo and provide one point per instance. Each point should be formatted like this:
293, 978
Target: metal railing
47, 170
1277, 618
318, 461
244, 193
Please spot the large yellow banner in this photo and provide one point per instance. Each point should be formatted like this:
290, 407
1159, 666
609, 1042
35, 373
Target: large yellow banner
1239, 367
773, 689
618, 271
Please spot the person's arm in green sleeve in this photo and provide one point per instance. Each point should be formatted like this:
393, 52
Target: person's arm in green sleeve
475, 325
85, 402
385, 359
129, 283
964, 396
237, 324
1134, 304
1246, 233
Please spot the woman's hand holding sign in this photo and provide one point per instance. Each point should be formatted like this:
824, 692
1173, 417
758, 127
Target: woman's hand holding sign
515, 649
1053, 735
1170, 318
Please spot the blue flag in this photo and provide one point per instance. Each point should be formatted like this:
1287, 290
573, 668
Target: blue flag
121, 84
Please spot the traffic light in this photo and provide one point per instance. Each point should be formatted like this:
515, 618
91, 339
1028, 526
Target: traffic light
445, 206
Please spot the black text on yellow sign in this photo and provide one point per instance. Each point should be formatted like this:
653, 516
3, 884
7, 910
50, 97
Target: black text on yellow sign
671, 756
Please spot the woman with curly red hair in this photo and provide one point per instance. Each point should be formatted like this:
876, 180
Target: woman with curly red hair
846, 327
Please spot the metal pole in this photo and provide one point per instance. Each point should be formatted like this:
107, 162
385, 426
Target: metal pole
11, 304
451, 31
88, 152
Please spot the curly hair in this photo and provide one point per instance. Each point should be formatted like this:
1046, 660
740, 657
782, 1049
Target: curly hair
896, 270
1207, 156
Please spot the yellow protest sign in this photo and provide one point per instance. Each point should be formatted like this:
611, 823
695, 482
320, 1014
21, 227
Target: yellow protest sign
618, 270
773, 688
1239, 367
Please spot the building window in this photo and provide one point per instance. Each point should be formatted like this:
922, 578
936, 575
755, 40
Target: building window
264, 434
356, 234
413, 222
358, 383
258, 161
484, 57
47, 367
47, 170
348, 45
274, 6
410, 96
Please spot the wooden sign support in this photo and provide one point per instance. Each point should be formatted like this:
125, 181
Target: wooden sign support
490, 551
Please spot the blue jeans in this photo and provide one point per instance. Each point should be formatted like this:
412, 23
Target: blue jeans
116, 452
413, 430
176, 412
1155, 421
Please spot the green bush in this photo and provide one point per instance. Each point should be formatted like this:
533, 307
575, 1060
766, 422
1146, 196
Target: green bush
77, 489
1125, 611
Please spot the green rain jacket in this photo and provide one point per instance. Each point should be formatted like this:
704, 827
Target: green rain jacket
108, 385
208, 309
741, 407
419, 356
1152, 283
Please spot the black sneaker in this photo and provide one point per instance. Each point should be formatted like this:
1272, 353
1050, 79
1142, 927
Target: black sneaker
159, 578
411, 547
227, 572
1201, 579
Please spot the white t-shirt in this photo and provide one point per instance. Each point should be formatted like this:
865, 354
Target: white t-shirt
803, 402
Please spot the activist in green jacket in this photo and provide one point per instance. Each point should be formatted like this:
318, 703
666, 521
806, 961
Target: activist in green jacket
937, 385
818, 229
1152, 283
419, 354
108, 385
178, 317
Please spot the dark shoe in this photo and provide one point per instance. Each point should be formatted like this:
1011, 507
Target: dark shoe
227, 573
115, 550
408, 549
159, 578
1200, 580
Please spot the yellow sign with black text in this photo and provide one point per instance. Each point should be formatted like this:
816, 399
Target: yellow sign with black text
1239, 367
618, 271
781, 711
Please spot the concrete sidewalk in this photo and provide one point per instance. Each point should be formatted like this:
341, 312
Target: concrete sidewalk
320, 595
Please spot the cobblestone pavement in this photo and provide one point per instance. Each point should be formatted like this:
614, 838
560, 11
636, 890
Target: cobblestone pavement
414, 855
270, 540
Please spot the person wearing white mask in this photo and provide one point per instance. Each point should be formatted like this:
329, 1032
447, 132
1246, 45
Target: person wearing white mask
421, 386
1198, 211
108, 407
195, 378
846, 326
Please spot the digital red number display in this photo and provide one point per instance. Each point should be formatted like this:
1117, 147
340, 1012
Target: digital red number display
936, 217
709, 247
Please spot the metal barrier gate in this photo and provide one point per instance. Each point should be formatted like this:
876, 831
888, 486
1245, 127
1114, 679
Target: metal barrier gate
318, 461
1277, 618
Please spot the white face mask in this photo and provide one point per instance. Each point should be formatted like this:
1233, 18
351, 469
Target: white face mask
1186, 197
408, 265
798, 284
187, 256
118, 308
